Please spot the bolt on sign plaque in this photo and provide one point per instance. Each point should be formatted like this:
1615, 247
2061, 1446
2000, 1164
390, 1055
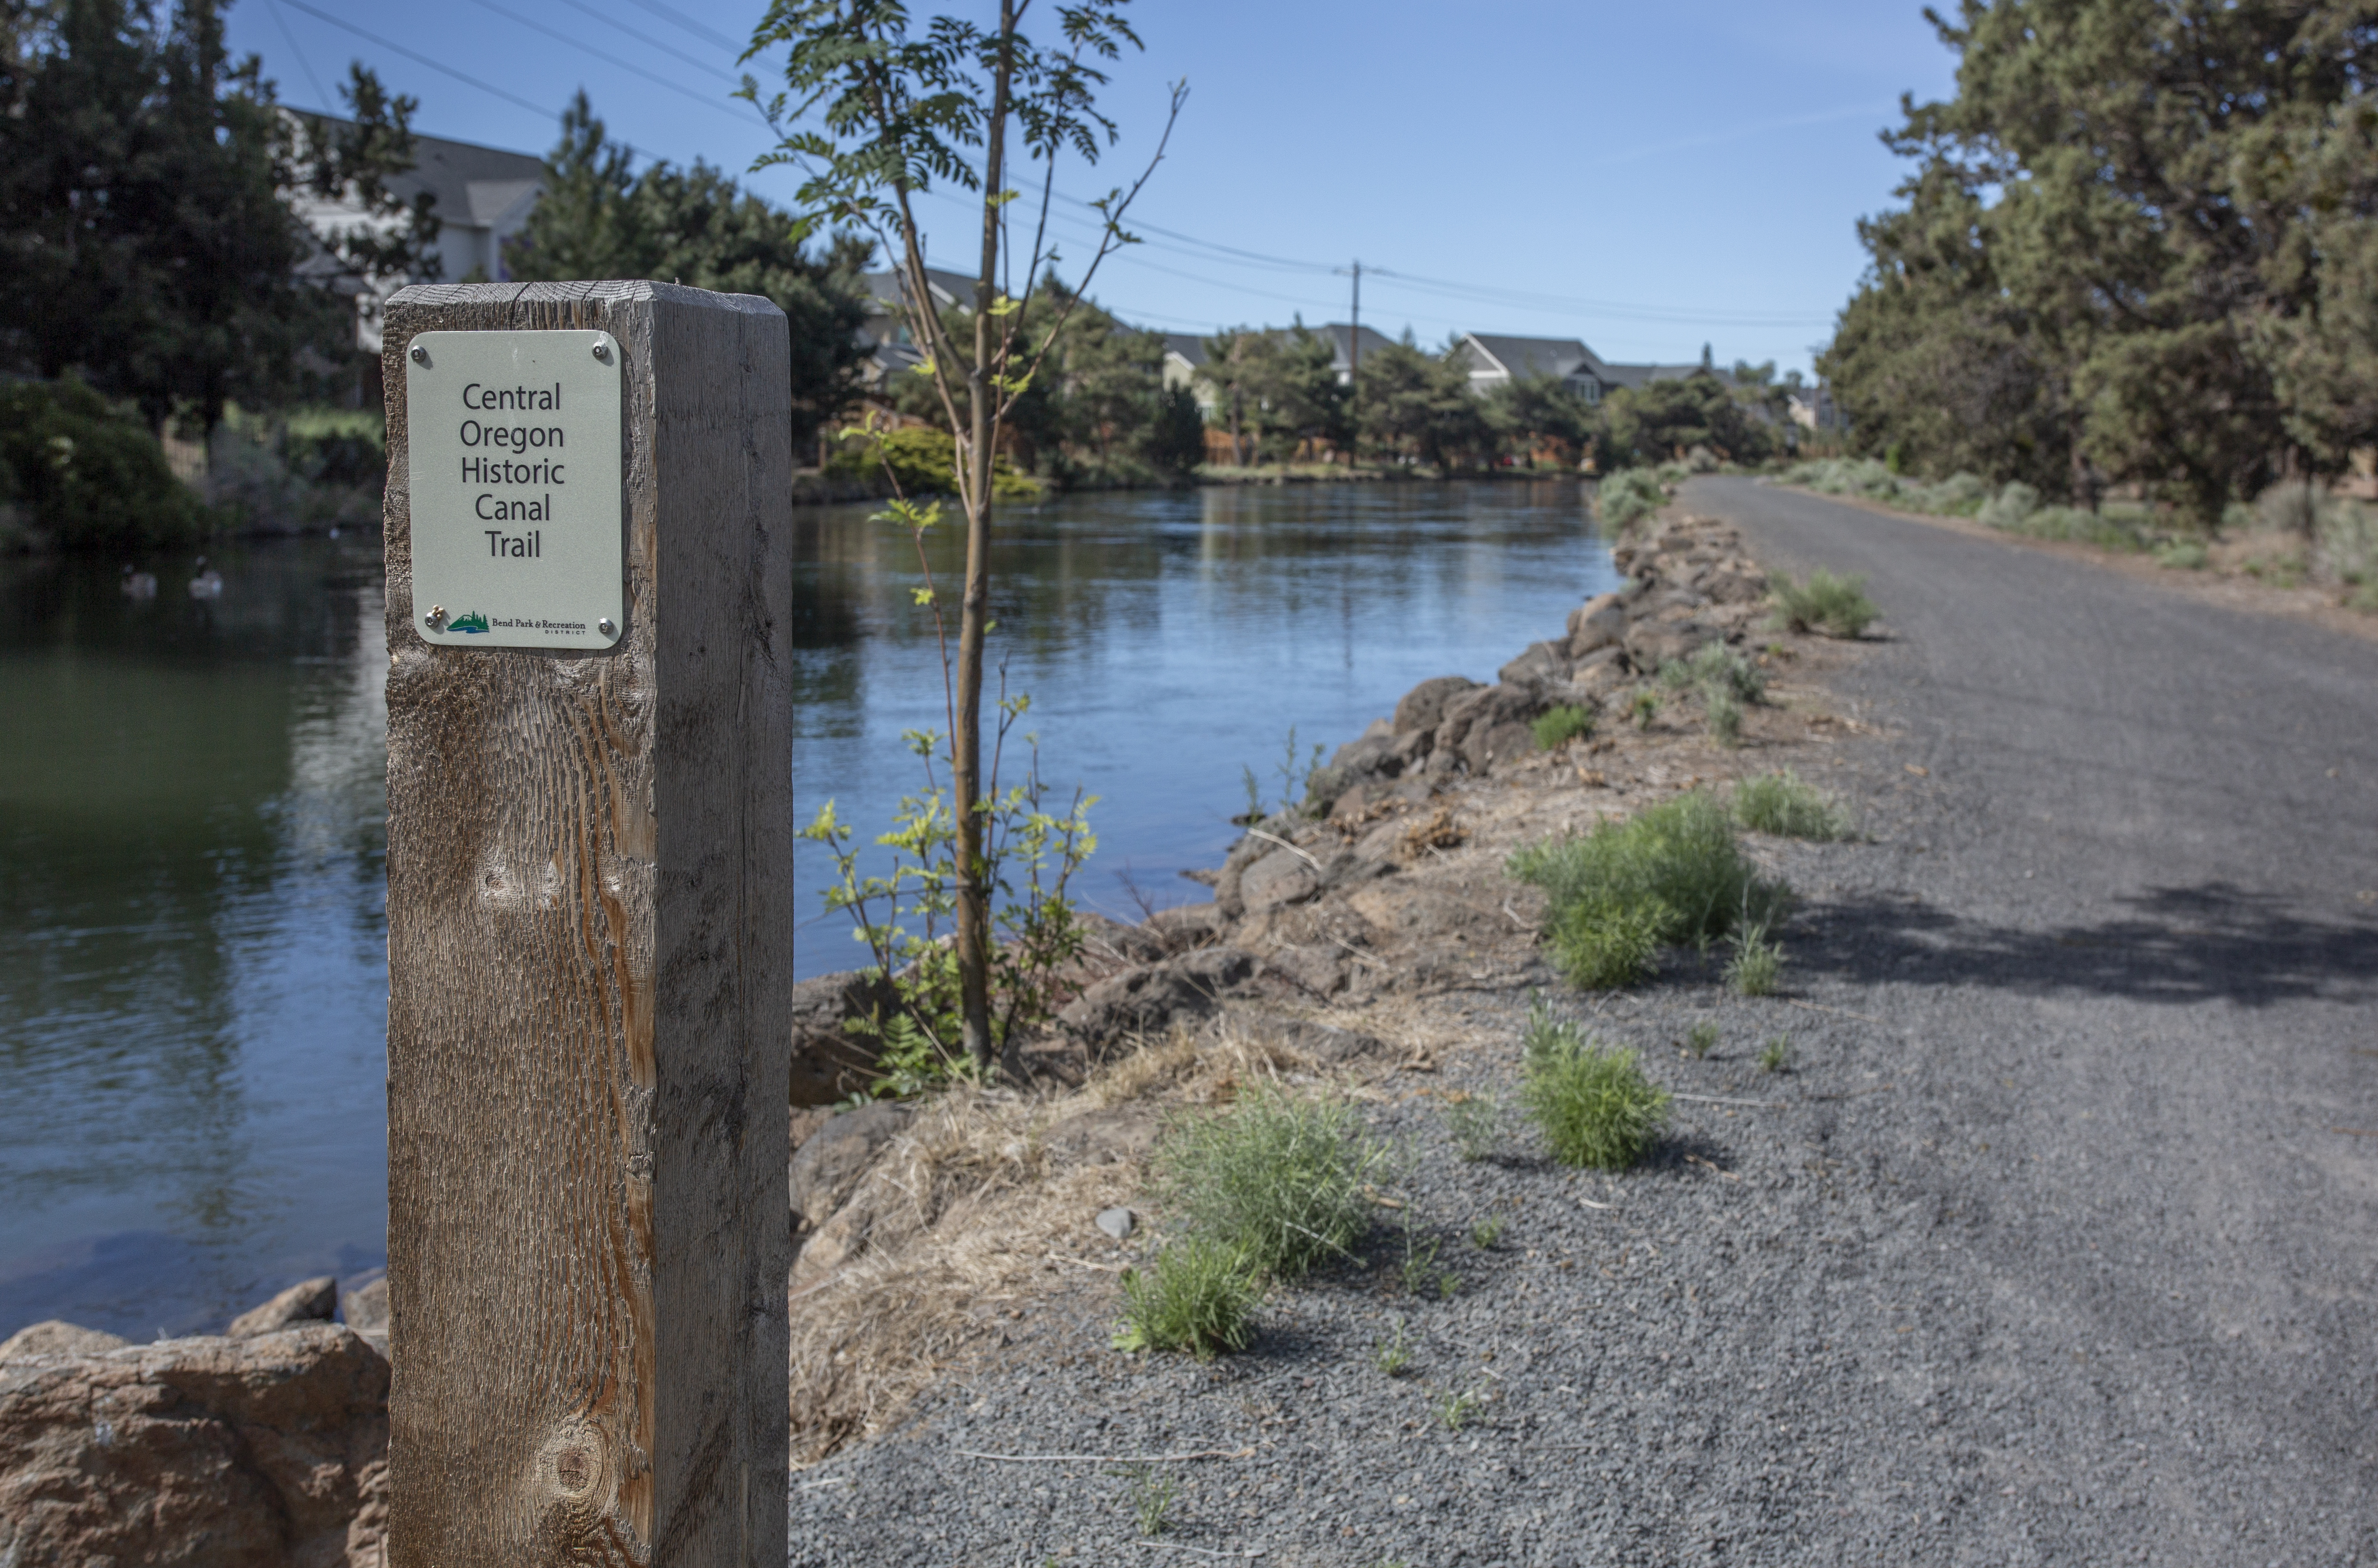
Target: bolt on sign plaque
513, 441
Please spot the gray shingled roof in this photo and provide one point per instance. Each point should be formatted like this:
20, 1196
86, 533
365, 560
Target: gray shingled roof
1528, 357
473, 184
1642, 375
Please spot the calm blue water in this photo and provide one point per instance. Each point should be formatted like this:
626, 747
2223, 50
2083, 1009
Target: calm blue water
192, 950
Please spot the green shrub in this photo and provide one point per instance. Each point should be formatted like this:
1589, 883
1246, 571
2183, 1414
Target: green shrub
2186, 555
1629, 496
1561, 725
1592, 1104
1277, 1181
87, 476
1777, 1055
1722, 712
1671, 873
1196, 1295
1477, 1123
1716, 665
1701, 1040
1779, 803
1835, 606
920, 461
1757, 966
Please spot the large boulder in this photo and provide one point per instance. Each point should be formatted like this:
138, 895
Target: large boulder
1283, 876
831, 1060
263, 1453
1540, 664
830, 1162
1186, 926
1599, 622
58, 1337
309, 1301
1486, 707
1650, 644
1151, 997
1424, 705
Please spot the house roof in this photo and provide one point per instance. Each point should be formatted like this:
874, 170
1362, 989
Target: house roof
1188, 345
1524, 358
476, 186
1644, 375
949, 288
1339, 333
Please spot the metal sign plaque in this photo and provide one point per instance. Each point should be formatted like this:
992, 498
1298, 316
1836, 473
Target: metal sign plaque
515, 472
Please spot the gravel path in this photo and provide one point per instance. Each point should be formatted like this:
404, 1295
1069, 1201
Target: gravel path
2047, 1248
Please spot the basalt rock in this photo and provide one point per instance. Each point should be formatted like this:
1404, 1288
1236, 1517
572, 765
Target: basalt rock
206, 1452
827, 1166
832, 1060
309, 1301
1424, 705
56, 1337
1151, 997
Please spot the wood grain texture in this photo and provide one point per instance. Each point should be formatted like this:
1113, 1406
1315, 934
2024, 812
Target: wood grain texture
590, 953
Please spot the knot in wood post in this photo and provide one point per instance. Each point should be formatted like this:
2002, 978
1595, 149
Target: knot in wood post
589, 924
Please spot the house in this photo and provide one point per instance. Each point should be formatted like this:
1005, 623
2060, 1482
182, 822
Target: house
483, 195
889, 340
1495, 360
1184, 352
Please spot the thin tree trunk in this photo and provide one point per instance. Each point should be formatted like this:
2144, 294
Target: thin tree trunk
974, 933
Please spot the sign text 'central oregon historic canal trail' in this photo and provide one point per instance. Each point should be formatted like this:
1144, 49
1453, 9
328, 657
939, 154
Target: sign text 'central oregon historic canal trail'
514, 443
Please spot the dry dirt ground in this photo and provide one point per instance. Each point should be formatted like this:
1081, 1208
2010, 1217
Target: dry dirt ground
2051, 1242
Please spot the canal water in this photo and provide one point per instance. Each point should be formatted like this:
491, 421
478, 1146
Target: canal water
193, 976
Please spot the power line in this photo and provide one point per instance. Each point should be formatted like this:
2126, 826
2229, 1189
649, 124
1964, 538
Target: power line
281, 18
672, 14
607, 59
650, 41
420, 59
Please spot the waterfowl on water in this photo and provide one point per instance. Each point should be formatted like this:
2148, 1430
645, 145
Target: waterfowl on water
208, 584
138, 584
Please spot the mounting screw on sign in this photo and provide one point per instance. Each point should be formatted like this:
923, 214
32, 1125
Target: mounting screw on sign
435, 618
420, 355
602, 349
607, 627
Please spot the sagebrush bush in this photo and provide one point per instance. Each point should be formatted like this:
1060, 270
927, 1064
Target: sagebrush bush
1781, 805
1716, 665
1592, 1102
1196, 1295
1835, 606
1672, 874
1275, 1180
1559, 726
1629, 496
1722, 713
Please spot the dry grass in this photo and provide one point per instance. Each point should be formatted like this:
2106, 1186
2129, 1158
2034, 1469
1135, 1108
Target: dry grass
973, 1217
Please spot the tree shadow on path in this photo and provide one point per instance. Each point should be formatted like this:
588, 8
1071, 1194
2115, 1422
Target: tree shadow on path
2178, 945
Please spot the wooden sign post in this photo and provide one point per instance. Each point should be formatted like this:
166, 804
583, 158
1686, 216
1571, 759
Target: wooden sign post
589, 924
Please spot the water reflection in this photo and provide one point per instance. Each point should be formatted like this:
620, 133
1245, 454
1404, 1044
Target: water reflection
192, 970
1168, 643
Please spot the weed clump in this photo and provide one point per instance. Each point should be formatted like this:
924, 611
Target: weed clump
1592, 1102
1276, 1181
1777, 1056
1197, 1295
1701, 1040
1757, 966
1781, 805
1559, 726
1835, 606
1477, 1123
1670, 875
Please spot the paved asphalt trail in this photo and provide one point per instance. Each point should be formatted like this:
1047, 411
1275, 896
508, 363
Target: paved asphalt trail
2146, 929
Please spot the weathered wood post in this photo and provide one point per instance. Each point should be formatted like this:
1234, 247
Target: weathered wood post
589, 924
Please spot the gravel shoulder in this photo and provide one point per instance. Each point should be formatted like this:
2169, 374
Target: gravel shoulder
2054, 1243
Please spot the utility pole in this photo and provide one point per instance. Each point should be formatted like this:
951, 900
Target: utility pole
1354, 356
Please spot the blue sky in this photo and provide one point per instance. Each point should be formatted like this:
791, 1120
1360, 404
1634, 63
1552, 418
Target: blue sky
1648, 178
